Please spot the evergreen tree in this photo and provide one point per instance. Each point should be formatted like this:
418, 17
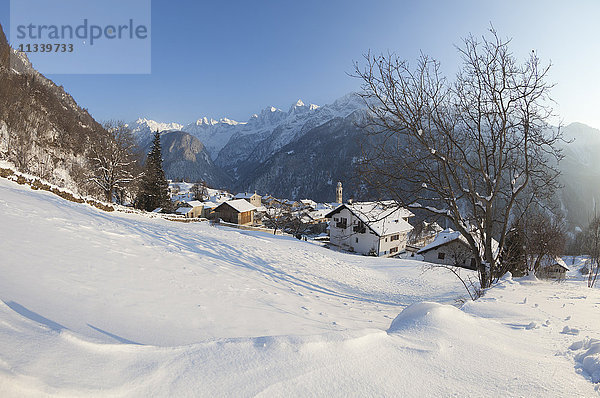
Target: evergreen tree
514, 253
154, 187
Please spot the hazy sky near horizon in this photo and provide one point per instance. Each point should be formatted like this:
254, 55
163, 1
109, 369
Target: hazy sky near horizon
234, 58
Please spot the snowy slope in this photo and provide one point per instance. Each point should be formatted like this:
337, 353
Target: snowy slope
97, 304
190, 282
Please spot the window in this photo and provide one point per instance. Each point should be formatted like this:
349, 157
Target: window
342, 223
395, 237
359, 228
393, 250
356, 240
441, 255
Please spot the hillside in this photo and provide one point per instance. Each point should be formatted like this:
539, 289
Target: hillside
126, 305
42, 129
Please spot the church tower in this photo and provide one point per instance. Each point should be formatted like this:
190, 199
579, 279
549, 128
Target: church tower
338, 193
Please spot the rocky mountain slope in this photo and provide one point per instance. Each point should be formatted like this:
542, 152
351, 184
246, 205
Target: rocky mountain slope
246, 150
184, 156
43, 131
311, 165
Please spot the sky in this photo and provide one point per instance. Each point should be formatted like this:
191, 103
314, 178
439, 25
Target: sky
234, 58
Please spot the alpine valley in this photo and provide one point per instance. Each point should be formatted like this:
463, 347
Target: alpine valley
299, 153
303, 152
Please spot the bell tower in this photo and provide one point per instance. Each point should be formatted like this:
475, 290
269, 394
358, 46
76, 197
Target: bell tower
338, 193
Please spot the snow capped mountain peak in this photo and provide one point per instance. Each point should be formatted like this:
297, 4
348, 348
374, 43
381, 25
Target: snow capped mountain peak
204, 121
301, 107
143, 126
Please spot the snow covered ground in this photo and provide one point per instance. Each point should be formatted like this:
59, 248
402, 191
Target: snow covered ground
110, 304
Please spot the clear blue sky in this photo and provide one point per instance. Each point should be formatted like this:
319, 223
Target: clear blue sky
233, 58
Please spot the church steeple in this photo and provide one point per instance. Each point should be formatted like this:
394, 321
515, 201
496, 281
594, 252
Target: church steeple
338, 193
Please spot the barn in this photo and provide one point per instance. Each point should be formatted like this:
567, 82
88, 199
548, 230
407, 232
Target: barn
237, 211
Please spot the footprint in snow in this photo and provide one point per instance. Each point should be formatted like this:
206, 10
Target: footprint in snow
570, 331
531, 325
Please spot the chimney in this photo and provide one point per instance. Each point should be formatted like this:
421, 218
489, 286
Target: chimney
338, 193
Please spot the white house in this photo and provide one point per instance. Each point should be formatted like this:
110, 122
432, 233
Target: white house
451, 248
374, 228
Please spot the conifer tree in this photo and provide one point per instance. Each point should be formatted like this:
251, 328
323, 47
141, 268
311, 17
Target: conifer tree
154, 187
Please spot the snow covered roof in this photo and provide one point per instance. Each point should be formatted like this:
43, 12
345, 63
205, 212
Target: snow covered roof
209, 205
183, 210
245, 195
448, 235
321, 213
195, 203
549, 261
240, 205
383, 218
308, 202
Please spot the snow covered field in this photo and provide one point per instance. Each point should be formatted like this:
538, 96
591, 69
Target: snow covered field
109, 304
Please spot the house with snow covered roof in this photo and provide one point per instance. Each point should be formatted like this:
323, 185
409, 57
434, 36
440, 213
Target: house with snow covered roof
236, 211
183, 211
252, 198
196, 209
373, 228
451, 248
550, 267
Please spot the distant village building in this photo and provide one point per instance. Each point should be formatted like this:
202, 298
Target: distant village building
373, 228
197, 208
253, 198
308, 204
551, 267
183, 211
451, 248
237, 211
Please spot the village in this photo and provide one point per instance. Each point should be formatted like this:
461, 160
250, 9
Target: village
378, 229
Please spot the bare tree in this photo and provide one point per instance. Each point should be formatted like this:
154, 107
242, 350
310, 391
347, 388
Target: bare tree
545, 238
470, 283
112, 159
21, 145
476, 151
200, 191
278, 215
